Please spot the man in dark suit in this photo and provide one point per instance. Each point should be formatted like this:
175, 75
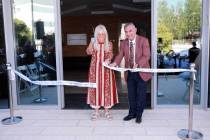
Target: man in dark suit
136, 51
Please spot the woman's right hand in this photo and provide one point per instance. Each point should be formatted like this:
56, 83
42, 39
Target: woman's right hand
89, 49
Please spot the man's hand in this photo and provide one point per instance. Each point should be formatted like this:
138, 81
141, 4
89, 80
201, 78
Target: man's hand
135, 66
113, 64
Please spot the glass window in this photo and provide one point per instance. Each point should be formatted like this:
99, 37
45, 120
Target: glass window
179, 44
34, 27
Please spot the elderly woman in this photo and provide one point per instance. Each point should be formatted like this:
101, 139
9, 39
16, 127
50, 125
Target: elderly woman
105, 95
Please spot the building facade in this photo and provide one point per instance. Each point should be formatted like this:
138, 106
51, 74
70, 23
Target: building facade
46, 40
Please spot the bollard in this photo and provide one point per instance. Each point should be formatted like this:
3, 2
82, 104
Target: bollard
41, 99
12, 119
190, 134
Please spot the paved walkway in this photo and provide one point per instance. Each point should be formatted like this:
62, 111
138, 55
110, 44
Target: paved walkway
158, 124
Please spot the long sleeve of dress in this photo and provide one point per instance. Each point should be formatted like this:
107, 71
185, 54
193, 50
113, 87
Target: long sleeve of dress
89, 49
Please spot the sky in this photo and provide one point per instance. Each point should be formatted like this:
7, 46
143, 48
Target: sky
174, 2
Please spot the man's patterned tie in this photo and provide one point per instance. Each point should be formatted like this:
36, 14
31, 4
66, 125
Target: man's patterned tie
131, 60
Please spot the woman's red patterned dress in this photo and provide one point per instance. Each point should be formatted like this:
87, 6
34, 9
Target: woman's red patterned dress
106, 92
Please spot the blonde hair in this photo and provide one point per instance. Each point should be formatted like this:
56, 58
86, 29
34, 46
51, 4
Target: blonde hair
98, 29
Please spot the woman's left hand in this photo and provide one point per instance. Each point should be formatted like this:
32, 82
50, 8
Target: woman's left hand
107, 61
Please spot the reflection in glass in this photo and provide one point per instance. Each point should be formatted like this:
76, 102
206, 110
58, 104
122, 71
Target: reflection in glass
179, 30
209, 88
3, 74
35, 50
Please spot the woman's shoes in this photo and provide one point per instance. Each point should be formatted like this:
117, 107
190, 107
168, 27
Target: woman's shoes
94, 116
108, 115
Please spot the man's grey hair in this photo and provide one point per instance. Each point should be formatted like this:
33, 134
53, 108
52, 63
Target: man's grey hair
128, 24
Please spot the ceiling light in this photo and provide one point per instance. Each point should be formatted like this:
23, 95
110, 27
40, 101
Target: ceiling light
101, 12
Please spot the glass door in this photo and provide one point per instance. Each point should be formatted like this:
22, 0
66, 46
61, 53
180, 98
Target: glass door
178, 45
35, 29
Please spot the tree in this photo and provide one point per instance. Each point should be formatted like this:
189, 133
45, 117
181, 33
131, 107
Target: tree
166, 35
193, 15
22, 32
181, 20
181, 28
166, 14
165, 25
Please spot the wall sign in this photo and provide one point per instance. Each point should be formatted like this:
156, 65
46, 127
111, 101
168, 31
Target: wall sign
76, 39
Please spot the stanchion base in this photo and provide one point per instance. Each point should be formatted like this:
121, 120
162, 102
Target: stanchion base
185, 134
11, 120
160, 94
40, 100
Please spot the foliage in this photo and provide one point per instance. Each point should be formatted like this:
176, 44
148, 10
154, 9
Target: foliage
193, 15
22, 33
178, 21
166, 35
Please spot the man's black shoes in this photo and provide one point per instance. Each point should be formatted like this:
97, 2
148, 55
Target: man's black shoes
138, 119
129, 117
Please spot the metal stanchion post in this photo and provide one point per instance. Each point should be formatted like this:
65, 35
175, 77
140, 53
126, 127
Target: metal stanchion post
190, 134
41, 99
12, 119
